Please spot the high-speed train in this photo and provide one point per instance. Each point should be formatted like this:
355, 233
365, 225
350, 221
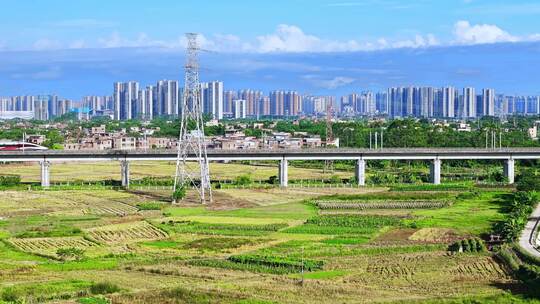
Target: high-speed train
19, 146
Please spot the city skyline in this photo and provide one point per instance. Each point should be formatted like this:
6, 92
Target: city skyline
322, 46
131, 100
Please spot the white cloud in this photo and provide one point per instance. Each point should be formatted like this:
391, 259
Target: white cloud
292, 39
419, 41
288, 38
46, 44
330, 84
465, 33
77, 44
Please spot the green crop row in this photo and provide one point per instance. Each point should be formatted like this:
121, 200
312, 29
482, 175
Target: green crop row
356, 221
389, 196
293, 265
382, 204
220, 229
432, 187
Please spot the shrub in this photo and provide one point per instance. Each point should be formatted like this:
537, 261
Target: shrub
10, 180
10, 295
104, 288
454, 247
465, 246
468, 245
518, 211
530, 275
273, 180
528, 181
243, 180
334, 179
179, 194
70, 253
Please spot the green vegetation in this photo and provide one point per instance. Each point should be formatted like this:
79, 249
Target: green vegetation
10, 180
150, 206
179, 194
218, 243
220, 229
70, 253
265, 264
103, 288
259, 246
468, 245
521, 205
475, 215
93, 300
44, 291
243, 180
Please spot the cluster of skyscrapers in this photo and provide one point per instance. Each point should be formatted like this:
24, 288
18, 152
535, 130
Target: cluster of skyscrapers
165, 99
41, 107
130, 101
446, 102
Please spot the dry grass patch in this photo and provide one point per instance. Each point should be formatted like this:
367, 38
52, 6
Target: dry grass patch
434, 235
126, 233
50, 245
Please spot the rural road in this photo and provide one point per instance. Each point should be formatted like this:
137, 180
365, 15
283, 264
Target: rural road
525, 241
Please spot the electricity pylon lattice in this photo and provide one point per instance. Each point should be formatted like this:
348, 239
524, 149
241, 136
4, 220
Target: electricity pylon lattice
191, 143
329, 164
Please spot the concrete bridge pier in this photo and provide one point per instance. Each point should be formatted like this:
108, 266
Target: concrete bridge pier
124, 173
509, 170
360, 172
283, 173
435, 171
45, 173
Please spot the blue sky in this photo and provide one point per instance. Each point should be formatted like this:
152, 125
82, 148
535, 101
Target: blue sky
49, 43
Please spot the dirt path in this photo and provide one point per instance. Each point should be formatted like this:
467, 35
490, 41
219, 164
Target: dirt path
526, 240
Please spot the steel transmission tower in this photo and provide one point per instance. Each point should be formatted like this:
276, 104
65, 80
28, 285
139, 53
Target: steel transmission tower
191, 142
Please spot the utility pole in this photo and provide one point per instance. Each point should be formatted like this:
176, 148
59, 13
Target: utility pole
329, 164
382, 139
191, 143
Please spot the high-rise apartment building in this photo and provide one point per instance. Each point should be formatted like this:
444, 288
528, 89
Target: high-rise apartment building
396, 102
469, 102
212, 99
167, 98
264, 106
381, 102
126, 96
228, 99
252, 98
488, 102
239, 109
277, 103
449, 102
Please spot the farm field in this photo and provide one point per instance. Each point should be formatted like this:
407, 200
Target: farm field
363, 245
61, 172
